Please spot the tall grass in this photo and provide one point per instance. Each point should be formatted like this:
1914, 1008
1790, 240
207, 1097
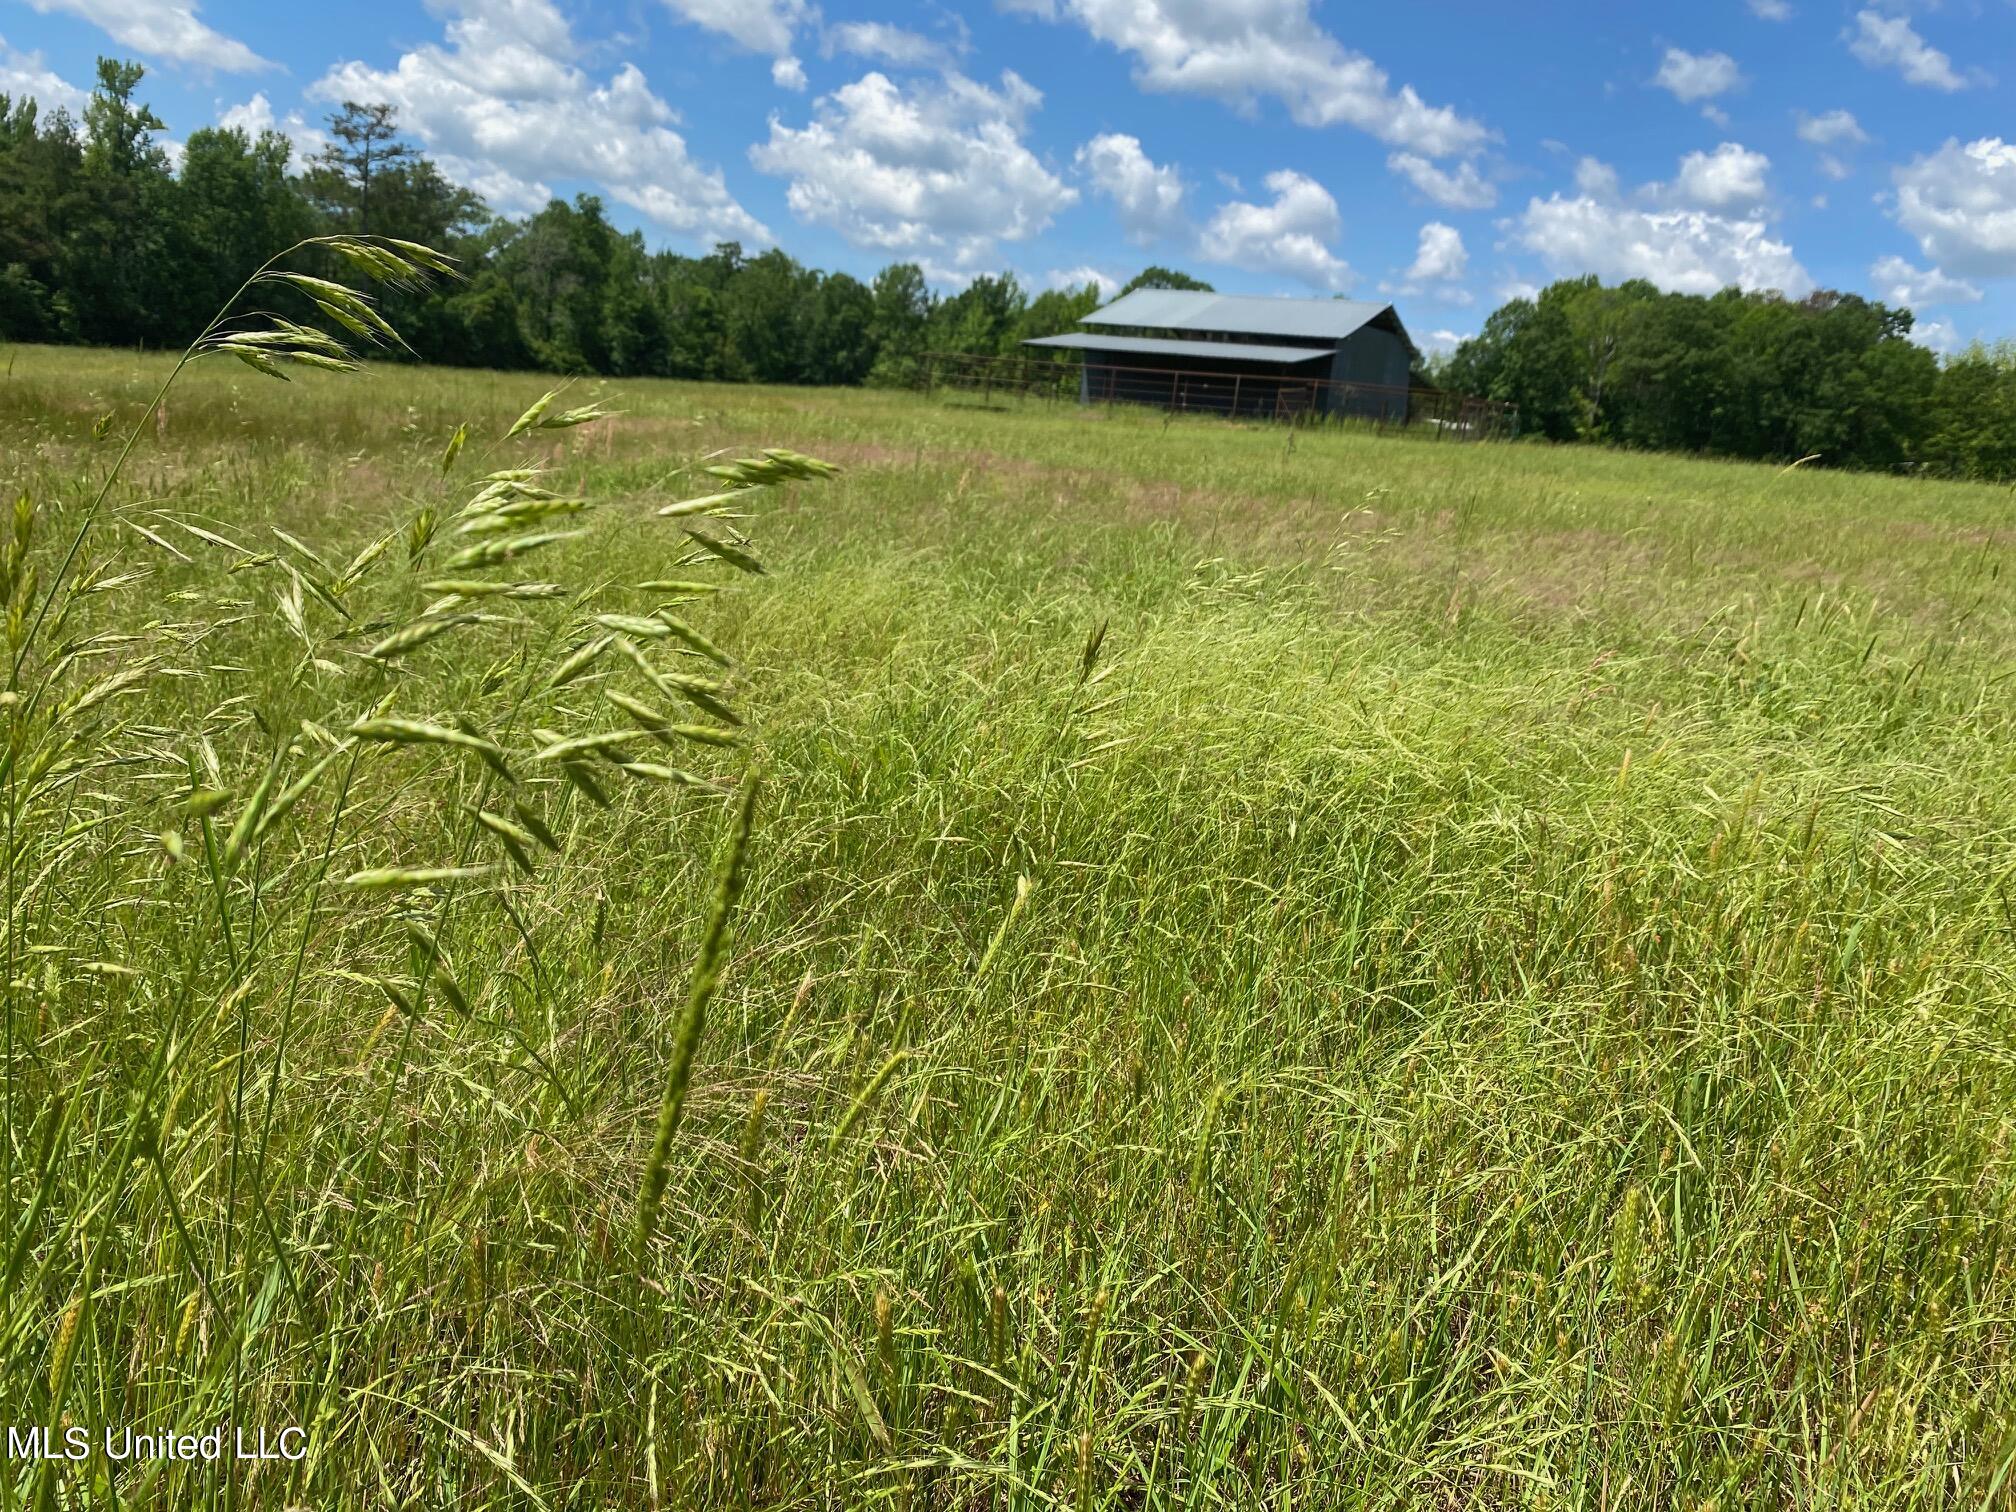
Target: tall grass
1394, 975
319, 854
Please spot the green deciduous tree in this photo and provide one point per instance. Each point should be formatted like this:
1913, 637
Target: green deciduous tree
233, 206
839, 337
1157, 277
1972, 429
117, 256
900, 322
40, 195
119, 131
1055, 311
1832, 376
980, 318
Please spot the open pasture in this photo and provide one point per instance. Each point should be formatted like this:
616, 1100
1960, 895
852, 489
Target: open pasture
1492, 983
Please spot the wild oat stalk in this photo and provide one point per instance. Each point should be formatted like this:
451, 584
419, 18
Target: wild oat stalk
244, 838
268, 349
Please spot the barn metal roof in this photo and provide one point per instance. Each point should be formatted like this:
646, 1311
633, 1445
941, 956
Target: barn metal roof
1237, 314
1155, 346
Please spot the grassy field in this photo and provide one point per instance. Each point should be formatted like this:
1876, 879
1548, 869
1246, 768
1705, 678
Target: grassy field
1493, 984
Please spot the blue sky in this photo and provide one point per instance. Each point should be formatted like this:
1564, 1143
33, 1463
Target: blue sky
1441, 156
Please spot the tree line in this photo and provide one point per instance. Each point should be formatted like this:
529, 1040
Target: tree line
1833, 376
104, 241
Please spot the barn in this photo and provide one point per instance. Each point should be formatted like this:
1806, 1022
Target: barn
1232, 354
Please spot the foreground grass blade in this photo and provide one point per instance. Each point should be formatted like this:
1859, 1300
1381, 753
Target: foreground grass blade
707, 969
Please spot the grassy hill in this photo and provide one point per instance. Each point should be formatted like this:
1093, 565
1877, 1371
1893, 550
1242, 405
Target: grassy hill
1290, 969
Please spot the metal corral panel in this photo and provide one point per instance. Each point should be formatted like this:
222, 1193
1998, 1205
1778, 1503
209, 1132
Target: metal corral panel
1155, 346
1236, 314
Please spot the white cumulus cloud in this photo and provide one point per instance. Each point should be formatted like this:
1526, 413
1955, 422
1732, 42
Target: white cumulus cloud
788, 73
1771, 10
1693, 77
1682, 251
1960, 202
503, 109
24, 75
1077, 278
1732, 177
762, 26
256, 116
1898, 282
1291, 236
897, 46
1831, 128
1461, 188
1891, 42
932, 170
162, 29
1246, 51
1440, 261
1442, 343
1937, 336
1440, 256
1597, 179
1148, 196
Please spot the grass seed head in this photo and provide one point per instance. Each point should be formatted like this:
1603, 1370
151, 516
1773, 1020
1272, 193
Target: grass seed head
536, 823
185, 1332
419, 633
885, 1338
999, 1346
578, 661
1626, 1233
63, 1351
734, 556
509, 549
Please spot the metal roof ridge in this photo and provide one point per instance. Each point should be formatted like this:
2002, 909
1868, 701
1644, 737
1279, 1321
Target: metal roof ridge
1257, 315
1168, 346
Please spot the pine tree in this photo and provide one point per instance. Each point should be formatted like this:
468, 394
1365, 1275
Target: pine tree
366, 146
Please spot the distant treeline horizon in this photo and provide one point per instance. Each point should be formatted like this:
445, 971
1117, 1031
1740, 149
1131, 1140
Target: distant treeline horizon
1832, 376
105, 241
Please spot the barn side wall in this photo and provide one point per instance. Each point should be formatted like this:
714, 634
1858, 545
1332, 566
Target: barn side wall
1371, 356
